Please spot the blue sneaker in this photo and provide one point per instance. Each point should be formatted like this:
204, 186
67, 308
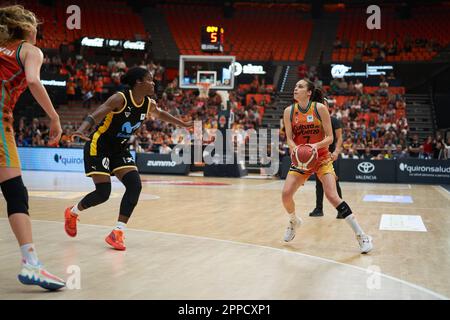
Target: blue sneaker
37, 275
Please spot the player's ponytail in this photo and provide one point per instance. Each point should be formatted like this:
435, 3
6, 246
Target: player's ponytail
133, 75
316, 93
15, 22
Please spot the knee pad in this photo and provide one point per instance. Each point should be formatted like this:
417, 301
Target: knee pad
16, 195
344, 210
103, 191
99, 195
133, 185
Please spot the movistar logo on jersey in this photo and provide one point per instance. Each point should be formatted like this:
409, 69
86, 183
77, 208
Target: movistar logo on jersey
127, 129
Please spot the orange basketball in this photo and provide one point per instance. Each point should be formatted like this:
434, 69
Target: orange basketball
304, 157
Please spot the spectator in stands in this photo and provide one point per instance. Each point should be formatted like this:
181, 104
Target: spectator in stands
65, 141
121, 65
390, 145
254, 85
348, 144
399, 153
165, 149
98, 88
359, 145
317, 82
414, 147
384, 85
428, 146
352, 154
391, 76
112, 63
446, 148
334, 86
343, 86
367, 155
88, 94
359, 87
367, 52
70, 91
422, 154
302, 70
388, 154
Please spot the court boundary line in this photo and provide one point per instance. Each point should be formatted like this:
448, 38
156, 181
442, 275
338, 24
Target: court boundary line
407, 283
442, 191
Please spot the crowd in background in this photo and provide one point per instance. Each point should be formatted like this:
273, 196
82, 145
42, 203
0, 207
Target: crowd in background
373, 128
86, 87
378, 51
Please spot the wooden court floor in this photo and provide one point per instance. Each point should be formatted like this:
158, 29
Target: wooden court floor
217, 238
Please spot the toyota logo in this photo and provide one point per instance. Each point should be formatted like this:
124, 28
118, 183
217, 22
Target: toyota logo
366, 167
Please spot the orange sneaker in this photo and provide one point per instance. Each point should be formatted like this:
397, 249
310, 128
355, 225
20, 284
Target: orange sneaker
115, 239
70, 224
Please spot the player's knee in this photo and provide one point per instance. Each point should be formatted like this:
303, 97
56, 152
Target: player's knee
16, 195
103, 191
133, 185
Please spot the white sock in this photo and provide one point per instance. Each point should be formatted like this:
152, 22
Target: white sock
351, 220
29, 254
121, 226
292, 216
75, 210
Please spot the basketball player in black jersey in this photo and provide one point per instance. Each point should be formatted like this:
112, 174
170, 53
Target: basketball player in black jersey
335, 148
106, 151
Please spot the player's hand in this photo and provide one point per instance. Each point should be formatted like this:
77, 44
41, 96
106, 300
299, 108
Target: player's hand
55, 132
334, 156
79, 135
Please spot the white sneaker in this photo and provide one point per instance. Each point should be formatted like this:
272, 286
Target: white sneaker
37, 275
290, 230
365, 243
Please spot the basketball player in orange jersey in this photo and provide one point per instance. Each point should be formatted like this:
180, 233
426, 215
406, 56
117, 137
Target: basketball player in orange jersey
308, 122
20, 65
106, 153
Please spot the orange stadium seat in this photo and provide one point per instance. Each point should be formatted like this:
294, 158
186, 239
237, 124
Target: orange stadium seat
427, 22
257, 32
95, 22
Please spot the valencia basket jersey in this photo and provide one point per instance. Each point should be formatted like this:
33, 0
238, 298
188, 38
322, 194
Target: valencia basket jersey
307, 126
12, 75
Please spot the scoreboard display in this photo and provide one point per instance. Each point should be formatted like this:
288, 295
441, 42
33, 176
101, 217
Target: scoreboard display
212, 39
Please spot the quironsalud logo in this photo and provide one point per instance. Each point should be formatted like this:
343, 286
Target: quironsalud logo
67, 160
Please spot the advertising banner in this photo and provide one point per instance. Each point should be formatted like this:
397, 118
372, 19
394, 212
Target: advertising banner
160, 163
423, 171
53, 159
367, 170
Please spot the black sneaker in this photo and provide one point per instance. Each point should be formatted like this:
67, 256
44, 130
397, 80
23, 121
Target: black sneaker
316, 213
339, 216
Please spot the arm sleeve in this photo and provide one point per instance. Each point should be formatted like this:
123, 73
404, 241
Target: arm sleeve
335, 123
